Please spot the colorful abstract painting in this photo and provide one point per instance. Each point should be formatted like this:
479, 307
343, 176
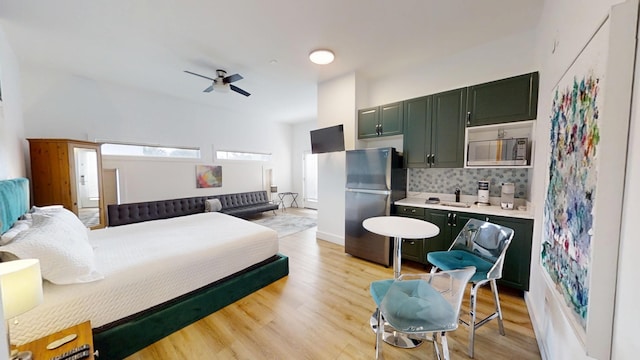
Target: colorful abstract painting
208, 176
571, 191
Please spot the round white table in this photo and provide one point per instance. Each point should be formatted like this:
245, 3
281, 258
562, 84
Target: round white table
399, 228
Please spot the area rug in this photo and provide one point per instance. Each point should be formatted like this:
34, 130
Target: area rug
286, 224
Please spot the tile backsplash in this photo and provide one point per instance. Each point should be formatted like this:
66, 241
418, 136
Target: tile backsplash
447, 180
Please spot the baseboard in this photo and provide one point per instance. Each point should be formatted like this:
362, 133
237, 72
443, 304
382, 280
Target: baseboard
330, 237
536, 330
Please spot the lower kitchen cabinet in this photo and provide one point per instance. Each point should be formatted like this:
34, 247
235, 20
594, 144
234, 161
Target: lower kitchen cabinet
515, 273
412, 249
517, 261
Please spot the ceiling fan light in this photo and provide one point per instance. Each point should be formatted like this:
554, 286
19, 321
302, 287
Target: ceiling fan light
321, 56
219, 86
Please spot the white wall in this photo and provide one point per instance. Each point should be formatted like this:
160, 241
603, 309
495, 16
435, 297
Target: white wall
301, 145
63, 105
513, 55
625, 343
336, 105
12, 162
568, 24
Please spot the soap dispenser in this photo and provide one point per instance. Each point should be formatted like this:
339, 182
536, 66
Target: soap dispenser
457, 192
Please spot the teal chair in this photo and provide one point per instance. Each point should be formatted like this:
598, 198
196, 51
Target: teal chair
420, 305
483, 245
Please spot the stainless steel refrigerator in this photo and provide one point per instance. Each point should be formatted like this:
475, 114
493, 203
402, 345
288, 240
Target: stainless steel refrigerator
375, 179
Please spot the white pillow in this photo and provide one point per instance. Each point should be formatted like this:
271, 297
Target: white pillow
17, 227
46, 209
63, 250
212, 205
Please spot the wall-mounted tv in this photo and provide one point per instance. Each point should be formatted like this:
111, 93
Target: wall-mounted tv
328, 139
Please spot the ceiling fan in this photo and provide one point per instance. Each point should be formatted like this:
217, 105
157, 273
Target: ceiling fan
223, 82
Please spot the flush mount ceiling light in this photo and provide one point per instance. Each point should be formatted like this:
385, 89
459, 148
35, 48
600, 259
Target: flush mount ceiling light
321, 56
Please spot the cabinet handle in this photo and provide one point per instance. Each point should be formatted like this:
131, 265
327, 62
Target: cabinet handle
380, 129
413, 210
468, 117
429, 159
486, 219
433, 159
449, 219
455, 220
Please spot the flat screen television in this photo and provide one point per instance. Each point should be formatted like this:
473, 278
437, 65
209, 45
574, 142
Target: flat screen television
327, 139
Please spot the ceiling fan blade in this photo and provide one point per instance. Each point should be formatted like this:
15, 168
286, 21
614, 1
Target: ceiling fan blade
238, 90
232, 78
202, 76
209, 89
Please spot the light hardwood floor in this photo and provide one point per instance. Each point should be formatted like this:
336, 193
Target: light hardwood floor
322, 310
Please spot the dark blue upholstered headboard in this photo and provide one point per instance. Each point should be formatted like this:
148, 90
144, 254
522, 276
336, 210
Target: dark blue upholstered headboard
14, 201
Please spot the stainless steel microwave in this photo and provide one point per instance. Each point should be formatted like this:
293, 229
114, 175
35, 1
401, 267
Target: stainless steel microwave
501, 152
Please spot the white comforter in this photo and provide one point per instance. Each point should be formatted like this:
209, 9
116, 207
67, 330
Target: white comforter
146, 264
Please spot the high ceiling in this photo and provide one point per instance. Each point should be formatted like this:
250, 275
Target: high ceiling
148, 44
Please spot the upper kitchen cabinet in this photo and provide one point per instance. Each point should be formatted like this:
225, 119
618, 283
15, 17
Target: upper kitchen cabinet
417, 132
447, 129
69, 173
501, 101
385, 120
434, 130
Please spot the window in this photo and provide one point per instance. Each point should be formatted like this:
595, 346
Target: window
239, 155
149, 151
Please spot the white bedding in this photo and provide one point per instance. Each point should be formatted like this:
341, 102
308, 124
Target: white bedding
146, 264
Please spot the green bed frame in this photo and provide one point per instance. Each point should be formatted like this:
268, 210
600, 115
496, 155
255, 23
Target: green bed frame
125, 339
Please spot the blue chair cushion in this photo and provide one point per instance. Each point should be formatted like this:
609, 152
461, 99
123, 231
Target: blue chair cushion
379, 289
413, 306
458, 259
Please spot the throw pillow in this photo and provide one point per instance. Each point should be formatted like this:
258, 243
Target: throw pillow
211, 205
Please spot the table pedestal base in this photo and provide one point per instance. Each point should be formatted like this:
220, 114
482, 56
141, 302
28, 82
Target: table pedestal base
393, 337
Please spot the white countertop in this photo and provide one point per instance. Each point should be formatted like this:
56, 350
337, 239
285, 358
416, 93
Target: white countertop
475, 209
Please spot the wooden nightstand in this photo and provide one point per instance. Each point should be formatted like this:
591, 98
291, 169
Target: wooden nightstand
39, 347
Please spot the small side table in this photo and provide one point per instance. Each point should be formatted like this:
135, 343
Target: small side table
293, 195
39, 347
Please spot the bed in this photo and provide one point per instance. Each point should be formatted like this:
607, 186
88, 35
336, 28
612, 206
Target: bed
149, 279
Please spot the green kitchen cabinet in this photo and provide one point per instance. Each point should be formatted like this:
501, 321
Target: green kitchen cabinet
434, 130
447, 129
440, 242
385, 120
515, 272
517, 261
507, 100
450, 224
412, 249
417, 132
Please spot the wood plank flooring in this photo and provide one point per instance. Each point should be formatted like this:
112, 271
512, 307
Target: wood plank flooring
322, 310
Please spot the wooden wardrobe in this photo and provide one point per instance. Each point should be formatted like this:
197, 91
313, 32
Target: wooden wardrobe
69, 173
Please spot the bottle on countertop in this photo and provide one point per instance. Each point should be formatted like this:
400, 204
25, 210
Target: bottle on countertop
457, 192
